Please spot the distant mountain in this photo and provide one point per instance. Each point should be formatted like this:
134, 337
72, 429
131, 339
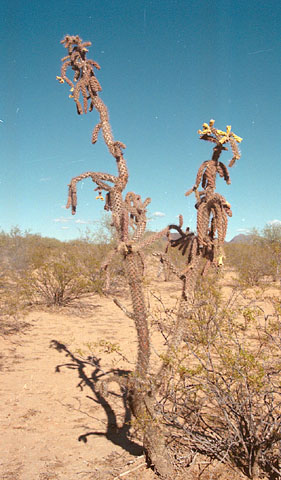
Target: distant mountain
241, 238
174, 236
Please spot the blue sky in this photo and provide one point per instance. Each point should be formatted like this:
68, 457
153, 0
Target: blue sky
167, 66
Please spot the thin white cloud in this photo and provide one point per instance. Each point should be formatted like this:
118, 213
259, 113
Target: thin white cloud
83, 222
61, 220
159, 214
44, 179
65, 228
260, 51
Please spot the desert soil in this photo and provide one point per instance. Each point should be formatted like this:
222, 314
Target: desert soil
55, 423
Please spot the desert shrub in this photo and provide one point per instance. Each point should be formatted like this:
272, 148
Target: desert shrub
21, 250
92, 257
12, 260
12, 305
94, 249
222, 398
40, 270
175, 255
271, 239
259, 257
60, 280
250, 261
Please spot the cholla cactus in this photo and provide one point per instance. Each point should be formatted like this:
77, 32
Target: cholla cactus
212, 208
84, 80
213, 211
128, 218
127, 213
211, 134
205, 248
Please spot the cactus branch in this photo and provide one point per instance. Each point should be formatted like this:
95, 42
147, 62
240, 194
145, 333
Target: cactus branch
129, 220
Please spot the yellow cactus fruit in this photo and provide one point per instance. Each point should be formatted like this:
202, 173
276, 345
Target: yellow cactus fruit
99, 196
220, 132
238, 139
206, 129
223, 139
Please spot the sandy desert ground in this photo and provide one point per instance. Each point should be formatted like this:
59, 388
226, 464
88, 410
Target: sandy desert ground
55, 424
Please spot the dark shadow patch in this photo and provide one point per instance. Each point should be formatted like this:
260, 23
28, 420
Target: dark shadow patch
117, 435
